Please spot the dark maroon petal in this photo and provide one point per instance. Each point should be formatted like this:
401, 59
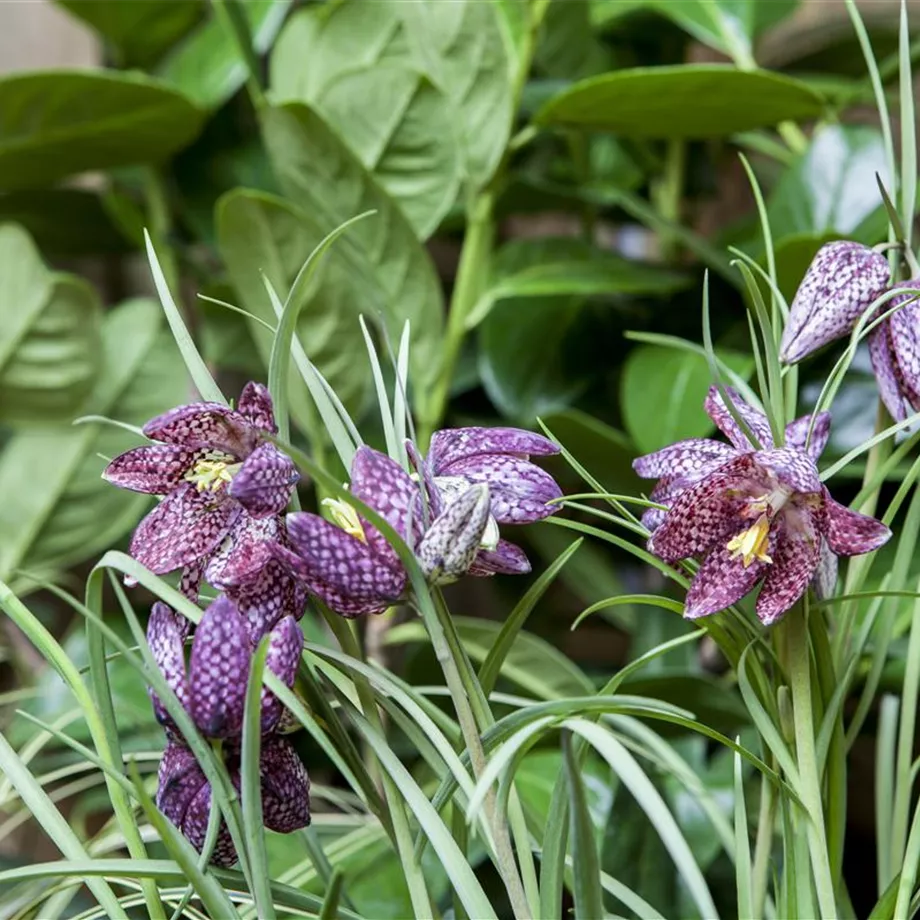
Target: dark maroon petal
190, 581
219, 669
887, 374
519, 490
256, 407
284, 647
452, 444
268, 597
180, 780
683, 458
382, 484
285, 787
792, 468
182, 528
244, 551
212, 426
825, 580
448, 548
166, 632
904, 337
840, 284
850, 533
725, 421
505, 559
722, 580
155, 469
795, 561
342, 561
195, 828
797, 431
708, 513
265, 482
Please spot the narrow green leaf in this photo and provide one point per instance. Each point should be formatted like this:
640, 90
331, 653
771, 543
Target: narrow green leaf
743, 867
383, 400
330, 909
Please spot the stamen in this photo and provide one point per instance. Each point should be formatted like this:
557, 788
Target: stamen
752, 543
344, 516
213, 471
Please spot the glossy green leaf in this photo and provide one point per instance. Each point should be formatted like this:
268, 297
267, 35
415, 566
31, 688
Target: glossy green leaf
55, 124
690, 101
262, 233
208, 68
662, 394
389, 271
391, 116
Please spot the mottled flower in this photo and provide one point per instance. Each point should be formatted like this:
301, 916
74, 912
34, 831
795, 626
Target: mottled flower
499, 458
840, 284
752, 515
212, 689
215, 473
894, 347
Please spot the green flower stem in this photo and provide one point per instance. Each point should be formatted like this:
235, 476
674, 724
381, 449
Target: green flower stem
797, 659
467, 694
668, 194
55, 655
763, 846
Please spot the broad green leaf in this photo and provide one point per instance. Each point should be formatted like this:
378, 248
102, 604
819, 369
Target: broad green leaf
662, 393
686, 101
389, 272
391, 116
55, 124
568, 48
140, 31
208, 67
57, 511
49, 335
262, 233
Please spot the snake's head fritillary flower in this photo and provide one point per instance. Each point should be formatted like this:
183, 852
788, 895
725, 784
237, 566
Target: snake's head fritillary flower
840, 284
213, 468
894, 347
753, 515
450, 545
520, 492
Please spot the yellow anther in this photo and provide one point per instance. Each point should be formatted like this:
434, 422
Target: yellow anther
752, 543
344, 516
212, 472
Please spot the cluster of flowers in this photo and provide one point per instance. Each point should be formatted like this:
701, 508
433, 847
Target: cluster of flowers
222, 518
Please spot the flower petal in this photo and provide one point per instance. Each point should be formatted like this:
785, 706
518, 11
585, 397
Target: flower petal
266, 598
448, 548
208, 425
683, 458
155, 469
505, 559
725, 421
452, 444
707, 513
795, 561
190, 581
166, 633
180, 780
722, 580
797, 431
793, 468
285, 787
244, 551
255, 406
432, 493
519, 490
219, 669
904, 336
653, 518
841, 282
264, 484
825, 580
850, 533
284, 647
182, 528
887, 373
195, 828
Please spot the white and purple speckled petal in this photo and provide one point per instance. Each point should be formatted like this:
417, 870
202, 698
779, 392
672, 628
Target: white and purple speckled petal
452, 444
195, 828
219, 669
850, 533
793, 468
285, 787
266, 598
244, 552
904, 338
382, 484
683, 458
887, 373
284, 647
255, 406
840, 284
190, 583
204, 425
155, 469
722, 580
265, 481
506, 559
825, 580
795, 554
653, 518
166, 632
725, 421
449, 547
797, 432
180, 780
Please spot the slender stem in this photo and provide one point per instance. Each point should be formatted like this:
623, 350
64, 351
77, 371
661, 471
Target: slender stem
669, 192
763, 847
158, 214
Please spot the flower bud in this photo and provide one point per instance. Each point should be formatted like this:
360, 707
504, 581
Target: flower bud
449, 547
841, 282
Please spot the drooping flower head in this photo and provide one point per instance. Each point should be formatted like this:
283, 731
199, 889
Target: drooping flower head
753, 516
212, 690
214, 471
894, 347
840, 284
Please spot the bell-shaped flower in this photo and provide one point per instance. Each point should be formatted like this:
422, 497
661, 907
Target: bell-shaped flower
214, 470
520, 492
894, 346
450, 545
756, 516
840, 284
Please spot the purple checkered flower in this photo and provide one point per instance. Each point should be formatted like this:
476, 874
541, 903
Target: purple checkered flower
894, 346
215, 472
752, 515
212, 689
840, 284
499, 458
